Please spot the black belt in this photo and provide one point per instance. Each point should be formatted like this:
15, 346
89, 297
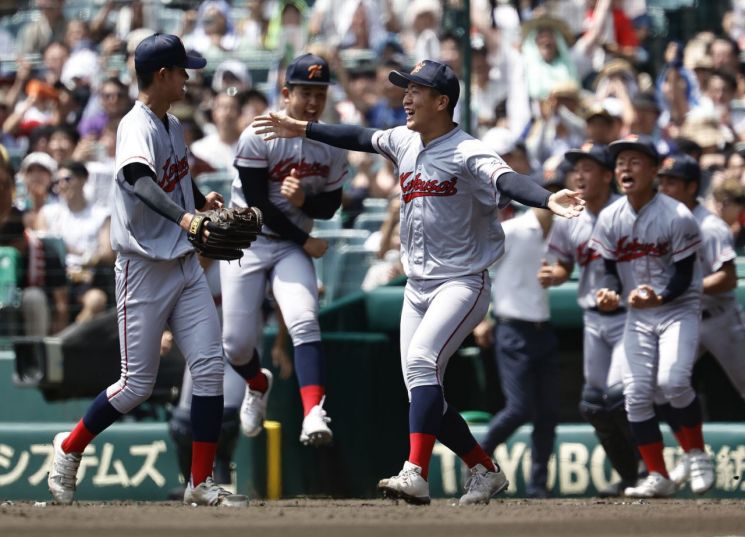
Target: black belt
617, 311
537, 325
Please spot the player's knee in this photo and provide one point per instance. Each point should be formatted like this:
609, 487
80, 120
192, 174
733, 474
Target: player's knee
678, 391
207, 375
614, 397
239, 346
421, 372
592, 402
136, 391
303, 328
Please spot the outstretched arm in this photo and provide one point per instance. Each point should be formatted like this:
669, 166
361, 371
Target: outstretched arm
523, 189
351, 137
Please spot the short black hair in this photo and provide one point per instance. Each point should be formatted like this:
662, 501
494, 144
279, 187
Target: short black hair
451, 104
77, 168
145, 80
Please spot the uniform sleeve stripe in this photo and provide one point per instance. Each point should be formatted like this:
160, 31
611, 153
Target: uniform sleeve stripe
137, 158
250, 162
688, 247
339, 180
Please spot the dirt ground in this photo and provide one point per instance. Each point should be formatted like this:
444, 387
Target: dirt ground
362, 518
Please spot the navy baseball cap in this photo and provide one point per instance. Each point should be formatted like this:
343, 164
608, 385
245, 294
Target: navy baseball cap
636, 142
597, 152
165, 50
308, 70
432, 75
681, 166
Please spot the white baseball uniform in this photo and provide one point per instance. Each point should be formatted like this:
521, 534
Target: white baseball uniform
290, 270
603, 332
158, 277
450, 236
723, 320
660, 343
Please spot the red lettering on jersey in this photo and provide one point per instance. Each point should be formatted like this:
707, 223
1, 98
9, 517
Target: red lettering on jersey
173, 173
586, 255
418, 187
629, 250
304, 169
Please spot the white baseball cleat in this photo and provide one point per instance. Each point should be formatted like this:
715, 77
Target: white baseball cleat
63, 473
315, 431
253, 408
207, 493
483, 484
408, 485
702, 471
655, 485
680, 474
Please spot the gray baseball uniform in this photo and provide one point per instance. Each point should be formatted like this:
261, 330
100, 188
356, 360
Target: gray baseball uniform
603, 333
723, 320
158, 277
450, 235
660, 343
322, 168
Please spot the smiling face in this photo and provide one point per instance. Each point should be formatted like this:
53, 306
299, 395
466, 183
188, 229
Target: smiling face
635, 173
422, 106
592, 180
305, 102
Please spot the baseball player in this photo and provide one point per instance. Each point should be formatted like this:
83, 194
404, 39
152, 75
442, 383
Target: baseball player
602, 402
292, 182
158, 277
649, 242
723, 320
451, 186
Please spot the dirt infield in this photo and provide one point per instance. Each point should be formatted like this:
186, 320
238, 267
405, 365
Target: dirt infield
353, 518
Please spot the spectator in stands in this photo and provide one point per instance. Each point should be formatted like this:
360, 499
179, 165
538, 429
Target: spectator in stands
214, 32
287, 30
388, 111
37, 172
421, 22
254, 104
348, 23
63, 143
38, 108
646, 121
50, 26
101, 167
41, 276
110, 104
84, 228
216, 151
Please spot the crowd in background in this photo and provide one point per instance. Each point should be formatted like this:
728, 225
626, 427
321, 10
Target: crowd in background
544, 77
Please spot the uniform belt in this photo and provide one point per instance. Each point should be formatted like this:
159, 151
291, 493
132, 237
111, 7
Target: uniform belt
617, 311
537, 325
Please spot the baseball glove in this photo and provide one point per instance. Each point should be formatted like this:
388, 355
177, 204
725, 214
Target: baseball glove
230, 231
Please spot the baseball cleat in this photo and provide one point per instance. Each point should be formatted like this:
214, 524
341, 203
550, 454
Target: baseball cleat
655, 485
253, 408
63, 473
682, 471
315, 431
408, 485
483, 484
702, 471
208, 493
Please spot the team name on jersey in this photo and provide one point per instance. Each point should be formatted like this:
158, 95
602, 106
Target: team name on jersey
304, 169
173, 173
629, 250
418, 187
585, 254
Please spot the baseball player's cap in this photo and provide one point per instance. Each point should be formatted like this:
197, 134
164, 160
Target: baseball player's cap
597, 152
165, 50
308, 70
41, 159
432, 75
637, 142
681, 166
